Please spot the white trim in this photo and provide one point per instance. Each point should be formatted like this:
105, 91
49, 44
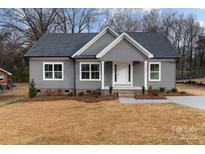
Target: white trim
150, 63
103, 84
113, 74
1, 69
131, 40
90, 71
87, 45
53, 63
145, 74
2, 77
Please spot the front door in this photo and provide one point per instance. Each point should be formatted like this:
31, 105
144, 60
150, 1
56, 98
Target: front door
122, 74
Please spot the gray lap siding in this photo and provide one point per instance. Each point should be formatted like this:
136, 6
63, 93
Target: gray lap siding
168, 75
36, 73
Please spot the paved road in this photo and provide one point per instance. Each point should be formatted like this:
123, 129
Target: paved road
192, 101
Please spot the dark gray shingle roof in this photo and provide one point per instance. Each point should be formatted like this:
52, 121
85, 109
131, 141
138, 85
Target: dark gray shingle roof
156, 43
68, 44
59, 44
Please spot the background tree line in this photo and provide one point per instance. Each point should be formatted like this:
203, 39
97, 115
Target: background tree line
21, 28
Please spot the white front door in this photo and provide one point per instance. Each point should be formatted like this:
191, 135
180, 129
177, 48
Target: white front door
122, 73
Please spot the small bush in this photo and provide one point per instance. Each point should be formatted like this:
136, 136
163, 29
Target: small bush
32, 89
71, 93
168, 92
174, 90
150, 90
162, 89
182, 92
155, 92
110, 90
81, 93
94, 93
143, 90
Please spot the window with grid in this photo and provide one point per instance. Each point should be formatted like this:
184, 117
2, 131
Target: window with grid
1, 77
154, 72
90, 71
53, 71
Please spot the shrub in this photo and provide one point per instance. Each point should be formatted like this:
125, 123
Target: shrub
81, 93
162, 89
110, 90
32, 89
168, 92
182, 92
143, 90
174, 90
155, 92
71, 93
150, 90
94, 93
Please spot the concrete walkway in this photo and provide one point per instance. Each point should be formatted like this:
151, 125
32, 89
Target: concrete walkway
192, 101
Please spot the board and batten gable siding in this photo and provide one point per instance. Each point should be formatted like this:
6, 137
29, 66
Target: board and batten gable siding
100, 44
124, 51
168, 74
36, 73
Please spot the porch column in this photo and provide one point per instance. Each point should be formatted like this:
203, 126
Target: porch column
102, 76
145, 74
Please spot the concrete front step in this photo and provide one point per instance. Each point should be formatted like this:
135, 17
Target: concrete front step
127, 93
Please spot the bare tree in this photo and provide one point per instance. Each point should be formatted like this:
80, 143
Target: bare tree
124, 19
31, 24
76, 20
151, 21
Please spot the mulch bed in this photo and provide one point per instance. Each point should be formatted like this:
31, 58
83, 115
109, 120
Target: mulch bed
162, 95
86, 98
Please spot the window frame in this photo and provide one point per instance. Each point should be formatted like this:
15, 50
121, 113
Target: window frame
2, 77
90, 72
150, 63
53, 72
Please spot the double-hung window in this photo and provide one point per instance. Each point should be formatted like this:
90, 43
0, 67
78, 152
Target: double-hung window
154, 71
53, 71
90, 71
1, 77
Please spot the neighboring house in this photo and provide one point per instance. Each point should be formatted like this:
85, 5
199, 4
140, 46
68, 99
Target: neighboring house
4, 78
89, 61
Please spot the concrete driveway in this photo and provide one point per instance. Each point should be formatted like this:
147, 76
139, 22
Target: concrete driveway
192, 101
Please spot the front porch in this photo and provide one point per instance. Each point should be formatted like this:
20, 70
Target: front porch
123, 75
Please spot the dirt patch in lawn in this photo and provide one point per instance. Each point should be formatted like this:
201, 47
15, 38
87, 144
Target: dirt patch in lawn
86, 98
107, 122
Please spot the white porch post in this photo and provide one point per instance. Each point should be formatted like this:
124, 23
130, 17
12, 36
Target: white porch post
102, 78
145, 74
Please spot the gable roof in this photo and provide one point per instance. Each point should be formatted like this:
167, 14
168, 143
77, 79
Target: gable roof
155, 42
1, 69
60, 44
131, 40
94, 39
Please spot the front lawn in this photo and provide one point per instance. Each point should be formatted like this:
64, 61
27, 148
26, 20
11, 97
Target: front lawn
83, 120
108, 122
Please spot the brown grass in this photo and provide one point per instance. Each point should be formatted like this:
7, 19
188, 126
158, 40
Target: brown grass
195, 90
105, 122
18, 93
74, 122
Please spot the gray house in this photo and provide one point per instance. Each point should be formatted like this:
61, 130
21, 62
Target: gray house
88, 61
